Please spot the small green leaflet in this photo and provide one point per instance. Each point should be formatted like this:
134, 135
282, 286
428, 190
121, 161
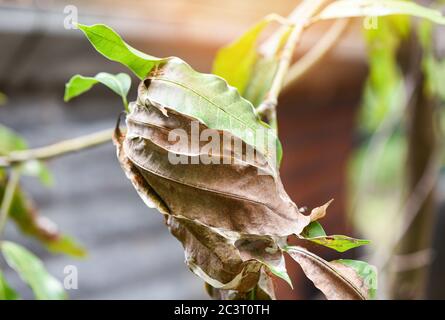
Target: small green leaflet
365, 271
314, 232
6, 292
110, 44
66, 245
119, 83
32, 272
378, 8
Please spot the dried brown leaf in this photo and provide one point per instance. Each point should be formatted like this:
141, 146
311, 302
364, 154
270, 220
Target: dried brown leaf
335, 280
227, 196
228, 217
320, 212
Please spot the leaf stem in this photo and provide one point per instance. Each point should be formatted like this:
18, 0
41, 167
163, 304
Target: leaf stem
125, 102
303, 14
316, 53
8, 196
57, 149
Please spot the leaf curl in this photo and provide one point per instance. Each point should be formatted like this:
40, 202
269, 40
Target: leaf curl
337, 281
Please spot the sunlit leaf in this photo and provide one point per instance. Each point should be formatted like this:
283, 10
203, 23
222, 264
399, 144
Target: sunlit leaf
110, 44
235, 62
314, 232
377, 8
33, 272
338, 242
247, 69
119, 83
6, 292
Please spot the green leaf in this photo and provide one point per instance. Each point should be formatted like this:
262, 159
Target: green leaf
33, 272
365, 271
110, 44
244, 67
314, 232
66, 245
338, 242
236, 61
209, 99
378, 8
6, 292
119, 83
10, 141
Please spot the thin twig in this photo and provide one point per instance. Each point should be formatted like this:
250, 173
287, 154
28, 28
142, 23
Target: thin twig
316, 53
57, 149
8, 196
300, 18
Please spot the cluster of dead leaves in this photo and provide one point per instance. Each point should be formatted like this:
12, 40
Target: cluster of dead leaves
232, 222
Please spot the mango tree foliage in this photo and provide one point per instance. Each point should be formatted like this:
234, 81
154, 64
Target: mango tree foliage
32, 272
119, 83
22, 210
219, 211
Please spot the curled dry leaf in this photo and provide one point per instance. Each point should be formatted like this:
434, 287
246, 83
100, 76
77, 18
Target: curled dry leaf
221, 187
335, 280
229, 213
320, 212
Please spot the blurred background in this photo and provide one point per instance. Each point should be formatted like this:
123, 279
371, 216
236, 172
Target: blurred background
361, 127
